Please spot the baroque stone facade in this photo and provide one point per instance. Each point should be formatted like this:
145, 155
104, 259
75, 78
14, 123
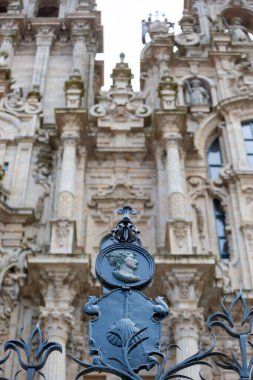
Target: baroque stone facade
180, 152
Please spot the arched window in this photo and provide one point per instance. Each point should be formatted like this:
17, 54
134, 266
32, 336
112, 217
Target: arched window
247, 130
214, 159
221, 229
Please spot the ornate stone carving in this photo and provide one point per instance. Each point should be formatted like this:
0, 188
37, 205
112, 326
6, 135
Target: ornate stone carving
183, 286
239, 33
222, 276
167, 91
196, 93
74, 89
62, 232
42, 176
15, 102
183, 320
120, 109
119, 194
188, 37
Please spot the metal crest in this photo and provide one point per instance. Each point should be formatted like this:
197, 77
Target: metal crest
122, 336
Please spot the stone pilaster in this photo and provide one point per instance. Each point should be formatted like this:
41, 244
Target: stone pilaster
80, 54
20, 173
59, 280
187, 326
44, 40
174, 172
179, 230
58, 323
67, 179
8, 33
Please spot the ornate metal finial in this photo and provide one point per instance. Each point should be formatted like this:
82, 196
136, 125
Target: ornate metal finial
122, 57
125, 231
34, 361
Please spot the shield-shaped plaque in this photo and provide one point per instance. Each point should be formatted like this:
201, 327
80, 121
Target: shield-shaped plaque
127, 329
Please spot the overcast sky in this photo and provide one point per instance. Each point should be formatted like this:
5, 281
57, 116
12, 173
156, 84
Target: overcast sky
122, 30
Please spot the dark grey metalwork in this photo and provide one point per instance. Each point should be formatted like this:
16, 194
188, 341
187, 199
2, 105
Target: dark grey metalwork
36, 352
242, 365
125, 231
124, 337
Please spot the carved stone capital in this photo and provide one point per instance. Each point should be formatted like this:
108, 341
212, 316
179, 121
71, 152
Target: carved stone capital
187, 322
70, 138
183, 287
172, 139
45, 36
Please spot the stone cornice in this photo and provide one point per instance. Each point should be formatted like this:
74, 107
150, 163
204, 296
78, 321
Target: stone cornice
15, 215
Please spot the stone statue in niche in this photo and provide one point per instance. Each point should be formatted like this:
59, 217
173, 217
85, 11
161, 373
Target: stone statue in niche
238, 32
196, 93
125, 264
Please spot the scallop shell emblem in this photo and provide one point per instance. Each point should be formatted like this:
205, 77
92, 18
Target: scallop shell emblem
123, 330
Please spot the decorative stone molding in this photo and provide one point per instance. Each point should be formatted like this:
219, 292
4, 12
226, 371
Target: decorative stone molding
184, 287
121, 113
74, 89
15, 102
63, 235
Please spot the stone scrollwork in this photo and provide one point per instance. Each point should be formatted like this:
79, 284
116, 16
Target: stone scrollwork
98, 111
121, 104
16, 102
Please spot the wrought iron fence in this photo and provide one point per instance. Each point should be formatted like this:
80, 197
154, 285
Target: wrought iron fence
130, 341
36, 350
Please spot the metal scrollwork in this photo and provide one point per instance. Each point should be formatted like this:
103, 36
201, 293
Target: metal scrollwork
225, 321
35, 360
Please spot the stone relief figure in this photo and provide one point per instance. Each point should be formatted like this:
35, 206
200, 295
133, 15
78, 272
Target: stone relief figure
196, 93
238, 32
125, 264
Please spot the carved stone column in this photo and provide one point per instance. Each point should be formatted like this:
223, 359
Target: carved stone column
8, 34
184, 287
59, 280
67, 179
186, 326
179, 230
57, 322
20, 172
44, 40
80, 55
174, 173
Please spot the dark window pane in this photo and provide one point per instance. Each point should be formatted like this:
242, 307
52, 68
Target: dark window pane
220, 229
214, 159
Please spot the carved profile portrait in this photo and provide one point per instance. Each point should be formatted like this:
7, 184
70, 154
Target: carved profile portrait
125, 264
